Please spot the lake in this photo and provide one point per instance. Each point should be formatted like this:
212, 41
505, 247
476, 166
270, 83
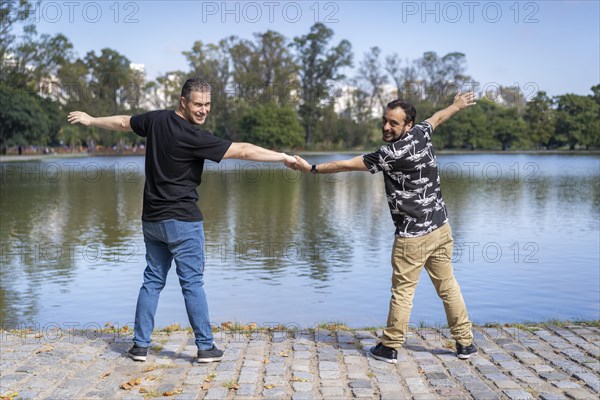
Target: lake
299, 250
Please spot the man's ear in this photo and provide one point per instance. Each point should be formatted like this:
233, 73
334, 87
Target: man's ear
182, 102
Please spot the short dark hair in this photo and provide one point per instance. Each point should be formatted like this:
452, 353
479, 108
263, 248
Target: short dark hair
409, 110
194, 84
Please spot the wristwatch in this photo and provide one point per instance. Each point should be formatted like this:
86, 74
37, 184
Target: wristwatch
313, 169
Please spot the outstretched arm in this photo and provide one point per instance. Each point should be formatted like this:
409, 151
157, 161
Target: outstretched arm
331, 167
248, 151
113, 123
460, 101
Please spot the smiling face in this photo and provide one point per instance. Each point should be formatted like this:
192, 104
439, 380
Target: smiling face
393, 126
196, 108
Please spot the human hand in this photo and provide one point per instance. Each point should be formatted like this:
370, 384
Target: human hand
301, 164
464, 100
289, 161
79, 117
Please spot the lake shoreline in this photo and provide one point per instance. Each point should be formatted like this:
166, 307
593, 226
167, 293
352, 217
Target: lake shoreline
34, 157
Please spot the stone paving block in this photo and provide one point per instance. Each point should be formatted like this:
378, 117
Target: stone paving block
302, 386
324, 374
553, 376
542, 368
303, 396
248, 375
551, 396
332, 382
246, 390
518, 395
362, 392
507, 384
328, 366
332, 391
485, 395
216, 393
441, 383
578, 394
593, 381
275, 392
566, 384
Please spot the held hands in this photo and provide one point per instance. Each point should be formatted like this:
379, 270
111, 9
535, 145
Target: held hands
299, 164
79, 117
289, 161
464, 100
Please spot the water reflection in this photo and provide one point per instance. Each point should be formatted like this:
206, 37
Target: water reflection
282, 245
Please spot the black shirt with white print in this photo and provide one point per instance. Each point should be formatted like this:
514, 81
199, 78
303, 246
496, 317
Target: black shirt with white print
412, 181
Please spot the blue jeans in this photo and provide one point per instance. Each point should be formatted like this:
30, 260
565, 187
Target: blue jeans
183, 242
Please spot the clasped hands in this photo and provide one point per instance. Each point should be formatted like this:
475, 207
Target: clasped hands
297, 163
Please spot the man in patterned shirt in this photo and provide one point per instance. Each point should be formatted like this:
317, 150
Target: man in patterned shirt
423, 234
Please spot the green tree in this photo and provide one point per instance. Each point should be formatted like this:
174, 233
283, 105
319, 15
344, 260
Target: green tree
26, 118
465, 130
11, 13
506, 125
577, 121
264, 70
318, 67
442, 74
371, 72
406, 78
111, 76
539, 116
271, 126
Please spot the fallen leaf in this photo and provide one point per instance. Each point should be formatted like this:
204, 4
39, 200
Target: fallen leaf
235, 386
104, 375
296, 379
131, 383
210, 377
169, 393
205, 386
269, 386
266, 361
284, 354
150, 377
150, 368
143, 390
45, 348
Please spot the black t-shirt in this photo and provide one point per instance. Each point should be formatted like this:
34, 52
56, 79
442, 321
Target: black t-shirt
412, 182
175, 154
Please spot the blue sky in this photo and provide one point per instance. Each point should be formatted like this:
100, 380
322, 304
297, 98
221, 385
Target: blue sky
538, 45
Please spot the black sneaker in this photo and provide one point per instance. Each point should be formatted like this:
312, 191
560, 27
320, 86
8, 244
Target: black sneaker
384, 353
464, 352
138, 353
212, 355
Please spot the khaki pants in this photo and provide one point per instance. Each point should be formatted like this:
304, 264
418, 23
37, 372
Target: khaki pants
434, 251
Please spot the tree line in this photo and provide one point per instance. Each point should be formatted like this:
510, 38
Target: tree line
275, 92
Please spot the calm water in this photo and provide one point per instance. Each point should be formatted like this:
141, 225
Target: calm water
291, 249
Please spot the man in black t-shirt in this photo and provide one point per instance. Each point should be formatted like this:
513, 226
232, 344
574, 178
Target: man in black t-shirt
423, 235
172, 222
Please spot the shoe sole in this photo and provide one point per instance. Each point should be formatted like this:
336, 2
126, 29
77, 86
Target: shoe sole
136, 358
387, 360
466, 356
209, 360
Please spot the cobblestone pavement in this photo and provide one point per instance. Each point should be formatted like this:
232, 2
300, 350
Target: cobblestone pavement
548, 363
